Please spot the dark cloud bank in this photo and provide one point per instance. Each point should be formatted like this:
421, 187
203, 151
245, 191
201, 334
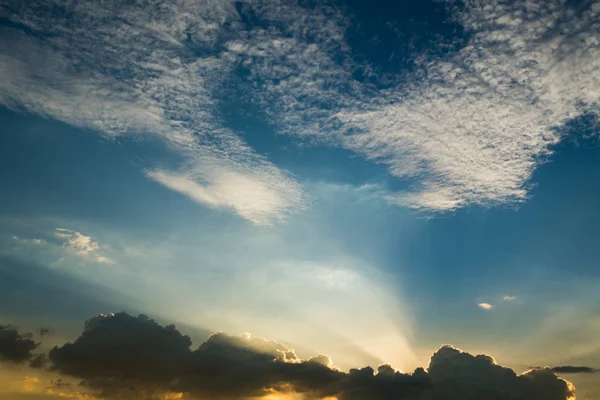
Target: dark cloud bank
14, 346
125, 357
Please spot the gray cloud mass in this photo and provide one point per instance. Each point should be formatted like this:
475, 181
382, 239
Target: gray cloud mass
120, 356
14, 346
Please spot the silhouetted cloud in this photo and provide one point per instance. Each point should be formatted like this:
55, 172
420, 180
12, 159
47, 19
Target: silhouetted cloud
459, 375
15, 346
44, 331
569, 369
122, 356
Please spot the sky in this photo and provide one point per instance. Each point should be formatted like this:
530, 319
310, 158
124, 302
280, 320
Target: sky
328, 199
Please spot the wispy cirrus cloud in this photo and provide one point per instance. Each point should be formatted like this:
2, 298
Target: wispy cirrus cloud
261, 198
132, 70
469, 128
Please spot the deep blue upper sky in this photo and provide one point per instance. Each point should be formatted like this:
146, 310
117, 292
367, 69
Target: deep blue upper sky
429, 171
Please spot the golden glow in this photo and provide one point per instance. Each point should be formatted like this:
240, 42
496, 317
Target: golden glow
30, 384
172, 396
274, 395
17, 381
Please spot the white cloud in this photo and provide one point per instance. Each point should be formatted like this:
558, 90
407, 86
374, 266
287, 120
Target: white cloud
471, 130
474, 130
36, 242
509, 298
81, 245
76, 241
104, 260
485, 306
260, 198
131, 73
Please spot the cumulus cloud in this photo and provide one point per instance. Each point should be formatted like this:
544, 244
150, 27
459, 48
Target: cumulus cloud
467, 127
122, 356
82, 245
459, 375
485, 306
14, 346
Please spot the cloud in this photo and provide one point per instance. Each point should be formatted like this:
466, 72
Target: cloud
44, 331
459, 375
263, 198
76, 241
471, 127
14, 346
125, 69
476, 124
485, 306
82, 245
466, 127
120, 355
37, 242
569, 369
508, 298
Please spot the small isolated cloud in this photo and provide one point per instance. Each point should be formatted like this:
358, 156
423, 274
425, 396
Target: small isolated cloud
509, 298
121, 356
44, 331
76, 241
569, 369
485, 306
104, 260
81, 245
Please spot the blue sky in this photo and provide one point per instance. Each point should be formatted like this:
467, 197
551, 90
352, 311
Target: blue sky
366, 180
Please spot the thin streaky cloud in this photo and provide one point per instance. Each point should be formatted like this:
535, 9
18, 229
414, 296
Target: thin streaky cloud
509, 298
570, 369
